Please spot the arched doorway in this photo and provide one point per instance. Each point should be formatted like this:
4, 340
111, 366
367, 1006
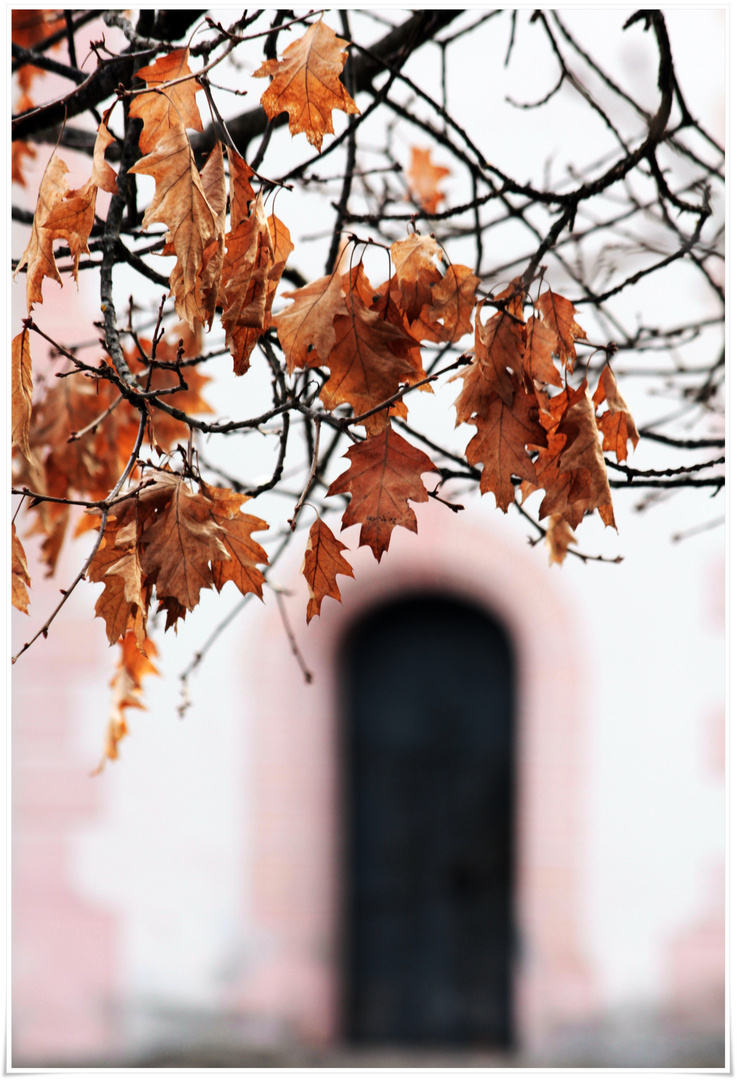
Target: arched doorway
428, 691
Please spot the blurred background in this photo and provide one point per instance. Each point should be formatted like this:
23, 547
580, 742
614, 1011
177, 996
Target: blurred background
491, 829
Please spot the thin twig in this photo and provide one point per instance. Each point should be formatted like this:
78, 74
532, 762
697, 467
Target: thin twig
291, 638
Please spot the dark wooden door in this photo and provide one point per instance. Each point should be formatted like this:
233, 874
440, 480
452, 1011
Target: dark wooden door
429, 690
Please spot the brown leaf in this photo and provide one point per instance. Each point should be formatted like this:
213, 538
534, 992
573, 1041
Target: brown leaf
371, 355
414, 259
574, 474
22, 390
306, 83
241, 191
20, 148
117, 565
38, 258
321, 565
384, 473
245, 553
133, 664
558, 538
557, 313
448, 317
19, 577
179, 544
498, 347
180, 203
305, 328
617, 423
169, 108
423, 177
501, 441
541, 343
103, 175
257, 251
213, 184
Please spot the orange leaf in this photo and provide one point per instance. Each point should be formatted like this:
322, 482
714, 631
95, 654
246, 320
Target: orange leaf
213, 185
19, 573
179, 544
306, 83
126, 684
557, 313
497, 350
116, 564
166, 108
384, 473
558, 538
22, 390
504, 432
576, 479
38, 258
257, 250
322, 564
542, 342
617, 423
453, 300
423, 177
245, 553
371, 355
416, 271
180, 203
305, 328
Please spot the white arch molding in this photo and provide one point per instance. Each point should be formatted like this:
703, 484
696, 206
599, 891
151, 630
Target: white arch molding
292, 967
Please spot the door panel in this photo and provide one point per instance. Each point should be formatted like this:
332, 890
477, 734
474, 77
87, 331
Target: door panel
429, 719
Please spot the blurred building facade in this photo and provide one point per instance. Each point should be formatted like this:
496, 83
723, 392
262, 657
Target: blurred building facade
413, 839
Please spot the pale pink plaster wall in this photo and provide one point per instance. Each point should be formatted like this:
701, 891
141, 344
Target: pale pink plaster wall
295, 780
63, 949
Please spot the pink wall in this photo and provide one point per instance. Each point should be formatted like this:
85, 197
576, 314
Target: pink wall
296, 782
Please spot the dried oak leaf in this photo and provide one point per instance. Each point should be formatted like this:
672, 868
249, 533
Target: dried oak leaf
305, 328
501, 441
498, 348
72, 217
617, 423
558, 538
179, 544
123, 603
166, 108
384, 473
245, 553
574, 473
306, 83
541, 342
448, 316
371, 355
19, 577
180, 203
38, 258
213, 184
557, 313
423, 177
64, 214
417, 272
22, 390
20, 148
257, 251
241, 191
321, 565
126, 684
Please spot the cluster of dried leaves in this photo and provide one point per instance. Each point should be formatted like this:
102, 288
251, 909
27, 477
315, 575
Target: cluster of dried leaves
170, 535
